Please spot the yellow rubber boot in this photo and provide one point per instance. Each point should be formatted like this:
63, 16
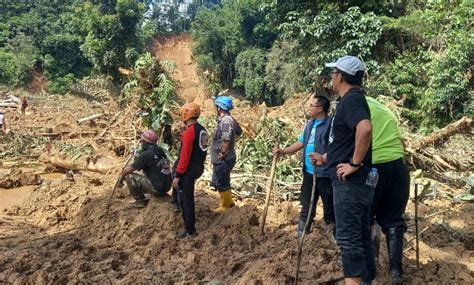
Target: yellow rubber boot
226, 201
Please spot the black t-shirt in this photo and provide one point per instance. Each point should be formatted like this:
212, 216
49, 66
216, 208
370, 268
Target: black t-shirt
351, 109
156, 167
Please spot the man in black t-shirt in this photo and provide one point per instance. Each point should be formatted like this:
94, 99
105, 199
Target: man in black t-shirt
349, 159
153, 162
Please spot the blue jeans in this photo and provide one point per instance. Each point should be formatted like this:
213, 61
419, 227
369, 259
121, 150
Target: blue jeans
221, 174
352, 203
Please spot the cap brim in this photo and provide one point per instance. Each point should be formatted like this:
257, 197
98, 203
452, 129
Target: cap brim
331, 64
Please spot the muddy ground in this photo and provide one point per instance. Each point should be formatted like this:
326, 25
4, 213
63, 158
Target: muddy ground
60, 231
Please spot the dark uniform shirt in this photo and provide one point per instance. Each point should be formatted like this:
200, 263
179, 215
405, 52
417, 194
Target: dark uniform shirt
352, 109
156, 167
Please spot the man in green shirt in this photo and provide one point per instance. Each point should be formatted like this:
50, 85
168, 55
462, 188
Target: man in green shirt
393, 187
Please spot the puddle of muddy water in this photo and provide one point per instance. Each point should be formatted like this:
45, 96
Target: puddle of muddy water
14, 196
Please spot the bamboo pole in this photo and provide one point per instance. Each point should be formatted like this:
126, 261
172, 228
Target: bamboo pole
269, 190
417, 246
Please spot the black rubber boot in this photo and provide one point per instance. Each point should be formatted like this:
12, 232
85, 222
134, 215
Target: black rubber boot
301, 225
394, 238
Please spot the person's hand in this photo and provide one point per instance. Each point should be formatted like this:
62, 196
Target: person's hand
278, 151
344, 170
316, 158
175, 183
220, 156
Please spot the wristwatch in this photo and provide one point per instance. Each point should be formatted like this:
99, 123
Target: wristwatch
354, 164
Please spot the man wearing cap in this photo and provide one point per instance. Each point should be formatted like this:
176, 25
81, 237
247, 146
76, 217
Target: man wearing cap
153, 162
349, 160
223, 155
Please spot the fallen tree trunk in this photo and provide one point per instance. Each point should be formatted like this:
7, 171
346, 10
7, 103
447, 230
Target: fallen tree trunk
438, 137
96, 163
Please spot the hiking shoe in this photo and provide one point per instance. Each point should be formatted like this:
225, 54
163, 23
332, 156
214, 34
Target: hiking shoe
139, 203
186, 235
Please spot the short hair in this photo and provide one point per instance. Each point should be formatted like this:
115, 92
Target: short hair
356, 79
324, 101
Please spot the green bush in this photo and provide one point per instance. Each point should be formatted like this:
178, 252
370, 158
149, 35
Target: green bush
250, 69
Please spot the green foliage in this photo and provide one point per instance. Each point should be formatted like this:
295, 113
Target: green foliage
19, 58
250, 68
330, 35
256, 153
435, 78
221, 33
155, 89
112, 40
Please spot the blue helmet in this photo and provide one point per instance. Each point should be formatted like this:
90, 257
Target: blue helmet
224, 102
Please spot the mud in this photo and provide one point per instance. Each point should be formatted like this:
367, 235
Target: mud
60, 232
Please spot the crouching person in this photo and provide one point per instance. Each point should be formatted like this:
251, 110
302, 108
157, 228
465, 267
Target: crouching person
155, 165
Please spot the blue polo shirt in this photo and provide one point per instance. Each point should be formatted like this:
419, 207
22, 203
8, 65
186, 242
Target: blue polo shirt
310, 147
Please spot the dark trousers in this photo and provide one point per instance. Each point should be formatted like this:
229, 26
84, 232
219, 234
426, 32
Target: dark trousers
186, 196
391, 194
323, 189
221, 174
352, 204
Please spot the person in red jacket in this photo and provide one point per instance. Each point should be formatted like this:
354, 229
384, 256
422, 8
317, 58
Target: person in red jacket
192, 155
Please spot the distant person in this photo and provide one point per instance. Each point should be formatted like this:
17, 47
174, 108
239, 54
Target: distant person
393, 187
24, 104
223, 156
3, 122
153, 162
192, 155
314, 147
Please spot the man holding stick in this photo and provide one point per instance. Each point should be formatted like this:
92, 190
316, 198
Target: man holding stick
314, 149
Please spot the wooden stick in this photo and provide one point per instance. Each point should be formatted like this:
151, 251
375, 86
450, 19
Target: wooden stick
11, 105
80, 121
110, 124
269, 191
117, 183
417, 247
408, 247
301, 241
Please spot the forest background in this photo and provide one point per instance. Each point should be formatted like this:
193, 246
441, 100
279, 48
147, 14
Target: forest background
417, 52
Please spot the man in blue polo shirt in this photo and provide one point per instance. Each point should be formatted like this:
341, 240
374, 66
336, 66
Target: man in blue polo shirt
314, 149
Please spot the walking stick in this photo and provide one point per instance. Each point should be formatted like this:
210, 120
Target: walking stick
269, 190
117, 183
301, 240
417, 248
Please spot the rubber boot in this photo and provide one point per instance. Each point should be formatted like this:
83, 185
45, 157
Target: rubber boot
394, 238
301, 225
226, 201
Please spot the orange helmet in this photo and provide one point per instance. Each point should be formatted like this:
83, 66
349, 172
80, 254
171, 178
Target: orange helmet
189, 111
